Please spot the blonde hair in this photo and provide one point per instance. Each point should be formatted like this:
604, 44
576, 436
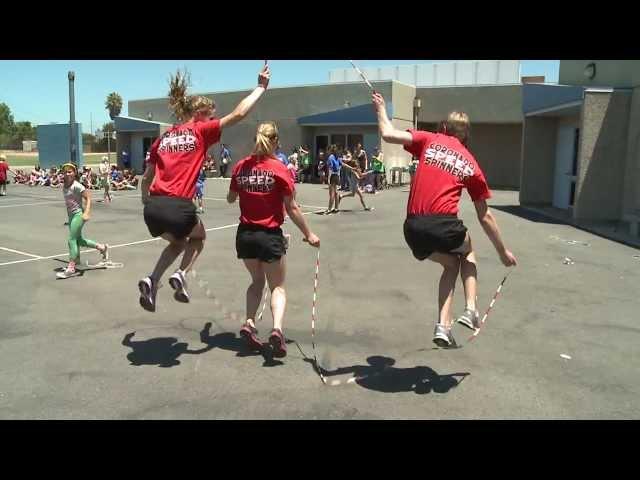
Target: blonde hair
185, 106
3, 157
457, 124
266, 139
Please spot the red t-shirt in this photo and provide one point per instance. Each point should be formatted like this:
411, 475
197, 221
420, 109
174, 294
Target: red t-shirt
262, 183
178, 156
445, 167
3, 171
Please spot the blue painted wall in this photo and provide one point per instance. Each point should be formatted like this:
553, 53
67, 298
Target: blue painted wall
538, 97
53, 144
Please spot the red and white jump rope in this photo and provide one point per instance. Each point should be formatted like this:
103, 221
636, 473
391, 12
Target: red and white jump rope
493, 300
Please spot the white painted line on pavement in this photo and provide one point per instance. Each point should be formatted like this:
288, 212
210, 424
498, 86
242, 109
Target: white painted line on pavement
111, 247
19, 252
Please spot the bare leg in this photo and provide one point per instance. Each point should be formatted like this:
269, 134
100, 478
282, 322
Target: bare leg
446, 287
333, 197
468, 272
193, 247
469, 276
275, 273
254, 292
168, 256
364, 205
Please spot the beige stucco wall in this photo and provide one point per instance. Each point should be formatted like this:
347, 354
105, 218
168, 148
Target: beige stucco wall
610, 73
631, 196
285, 105
500, 105
402, 97
498, 148
395, 155
602, 156
538, 160
486, 104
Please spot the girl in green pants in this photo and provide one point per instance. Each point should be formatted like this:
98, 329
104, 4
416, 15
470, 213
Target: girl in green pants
74, 192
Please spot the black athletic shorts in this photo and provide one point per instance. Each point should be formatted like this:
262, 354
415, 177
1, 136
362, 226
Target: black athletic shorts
173, 215
264, 244
426, 234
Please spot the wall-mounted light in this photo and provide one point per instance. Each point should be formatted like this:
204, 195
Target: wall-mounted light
590, 71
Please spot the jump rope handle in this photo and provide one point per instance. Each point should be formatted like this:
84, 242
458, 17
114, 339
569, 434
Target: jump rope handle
307, 241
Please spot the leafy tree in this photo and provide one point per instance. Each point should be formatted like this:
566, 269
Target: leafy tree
7, 125
88, 139
113, 104
101, 143
23, 131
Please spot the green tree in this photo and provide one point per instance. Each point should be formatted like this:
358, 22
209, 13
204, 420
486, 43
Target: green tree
101, 143
7, 125
88, 139
23, 131
113, 104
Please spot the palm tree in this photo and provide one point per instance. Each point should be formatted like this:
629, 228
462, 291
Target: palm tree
113, 104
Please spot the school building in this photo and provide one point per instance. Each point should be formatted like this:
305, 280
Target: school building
341, 112
580, 145
571, 148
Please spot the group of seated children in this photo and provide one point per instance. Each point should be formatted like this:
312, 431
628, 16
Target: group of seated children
40, 177
118, 179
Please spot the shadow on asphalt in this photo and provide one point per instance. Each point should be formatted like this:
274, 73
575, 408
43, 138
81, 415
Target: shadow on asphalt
229, 341
161, 351
381, 376
532, 216
164, 351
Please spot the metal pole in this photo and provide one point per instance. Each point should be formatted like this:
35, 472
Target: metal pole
109, 146
72, 119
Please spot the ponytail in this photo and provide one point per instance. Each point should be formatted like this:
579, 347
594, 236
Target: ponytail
266, 139
185, 106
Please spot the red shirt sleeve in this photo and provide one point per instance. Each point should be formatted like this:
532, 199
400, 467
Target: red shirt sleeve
419, 137
210, 131
477, 186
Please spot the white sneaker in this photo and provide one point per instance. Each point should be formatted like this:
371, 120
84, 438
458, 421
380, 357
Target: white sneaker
148, 291
67, 273
179, 284
469, 319
442, 337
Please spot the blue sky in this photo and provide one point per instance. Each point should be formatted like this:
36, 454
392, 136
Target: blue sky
38, 91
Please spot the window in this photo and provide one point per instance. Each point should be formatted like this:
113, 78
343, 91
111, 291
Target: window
339, 140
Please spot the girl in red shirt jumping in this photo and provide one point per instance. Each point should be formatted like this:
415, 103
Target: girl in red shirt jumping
169, 182
266, 190
432, 228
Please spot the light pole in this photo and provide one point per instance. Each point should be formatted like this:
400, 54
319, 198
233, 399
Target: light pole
417, 105
109, 134
72, 119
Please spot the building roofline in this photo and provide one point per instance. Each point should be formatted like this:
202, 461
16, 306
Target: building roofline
219, 92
